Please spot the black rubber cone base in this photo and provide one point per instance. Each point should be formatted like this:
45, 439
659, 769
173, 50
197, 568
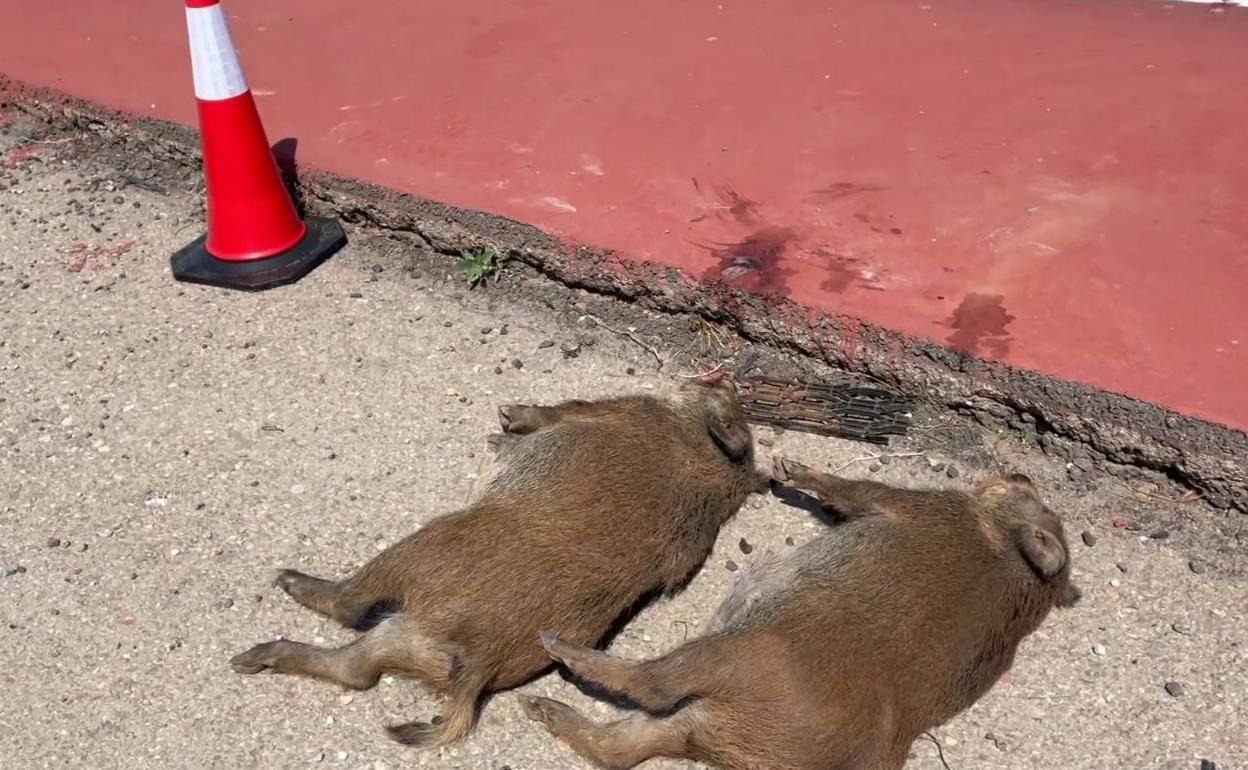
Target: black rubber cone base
193, 264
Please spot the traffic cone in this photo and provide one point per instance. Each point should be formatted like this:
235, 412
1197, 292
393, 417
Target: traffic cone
255, 239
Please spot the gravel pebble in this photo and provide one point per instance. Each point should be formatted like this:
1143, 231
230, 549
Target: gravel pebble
1099, 650
731, 566
1174, 689
546, 344
1089, 539
1183, 626
952, 472
1196, 566
745, 546
54, 542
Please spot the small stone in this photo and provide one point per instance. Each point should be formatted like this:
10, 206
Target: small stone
342, 756
346, 700
447, 324
225, 603
517, 363
996, 741
1099, 650
498, 370
316, 756
1121, 567
20, 570
937, 466
731, 566
952, 472
630, 370
788, 541
1184, 627
885, 459
1089, 539
54, 542
487, 329
546, 344
1160, 533
1196, 566
745, 546
502, 330
1115, 582
874, 467
356, 295
1174, 689
1120, 522
82, 548
766, 441
570, 349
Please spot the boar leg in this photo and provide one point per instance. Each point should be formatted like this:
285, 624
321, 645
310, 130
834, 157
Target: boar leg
615, 746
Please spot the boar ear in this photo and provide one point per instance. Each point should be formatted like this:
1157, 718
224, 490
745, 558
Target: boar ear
1042, 549
733, 438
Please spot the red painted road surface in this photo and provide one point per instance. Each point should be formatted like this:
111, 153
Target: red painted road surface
1058, 184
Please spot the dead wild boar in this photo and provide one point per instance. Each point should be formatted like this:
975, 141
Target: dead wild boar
595, 506
840, 654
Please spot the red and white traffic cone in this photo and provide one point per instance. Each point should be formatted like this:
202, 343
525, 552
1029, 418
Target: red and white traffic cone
255, 239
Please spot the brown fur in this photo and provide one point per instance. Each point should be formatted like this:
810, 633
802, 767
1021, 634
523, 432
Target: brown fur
596, 505
841, 654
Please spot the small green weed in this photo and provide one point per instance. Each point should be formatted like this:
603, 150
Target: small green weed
478, 264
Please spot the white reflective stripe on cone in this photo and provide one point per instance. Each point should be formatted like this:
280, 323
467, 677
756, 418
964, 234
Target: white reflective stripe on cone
214, 61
